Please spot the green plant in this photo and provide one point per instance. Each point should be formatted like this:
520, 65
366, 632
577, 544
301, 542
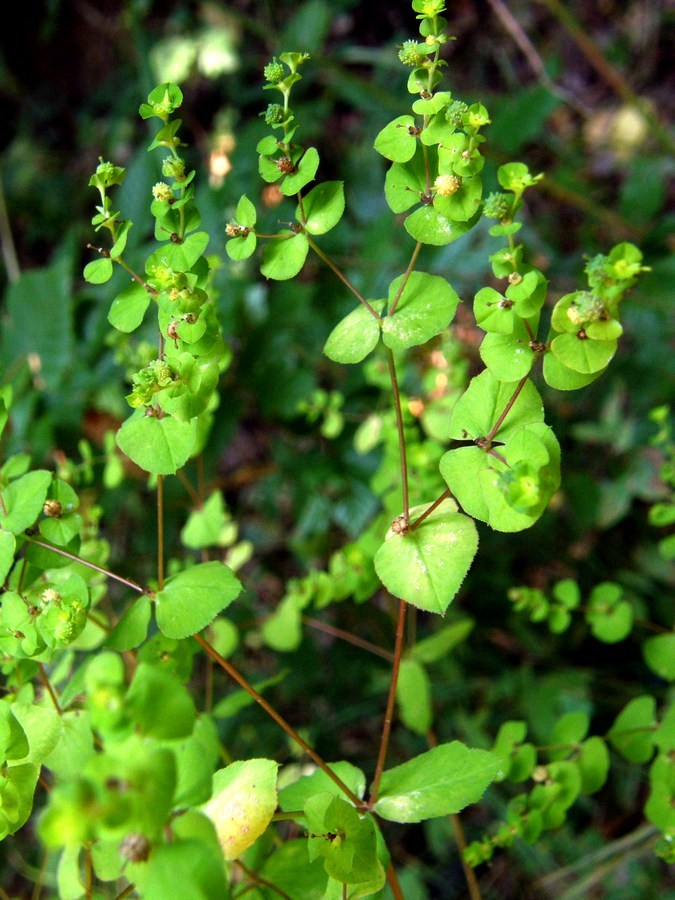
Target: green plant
135, 800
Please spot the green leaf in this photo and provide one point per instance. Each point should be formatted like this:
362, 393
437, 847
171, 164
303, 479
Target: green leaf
132, 628
427, 225
7, 549
128, 308
307, 167
494, 312
16, 795
196, 757
665, 735
245, 213
291, 871
481, 405
425, 308
296, 794
43, 728
356, 335
23, 499
282, 631
209, 526
509, 357
562, 378
243, 802
583, 355
13, 739
516, 759
241, 247
323, 207
660, 805
159, 446
610, 617
283, 258
413, 696
405, 183
593, 762
121, 240
346, 841
570, 728
68, 875
163, 101
395, 142
179, 257
192, 599
464, 203
508, 483
195, 867
75, 747
659, 654
509, 490
62, 528
632, 733
439, 645
440, 782
426, 567
98, 271
159, 705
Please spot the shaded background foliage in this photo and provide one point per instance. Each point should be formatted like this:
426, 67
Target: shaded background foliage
579, 91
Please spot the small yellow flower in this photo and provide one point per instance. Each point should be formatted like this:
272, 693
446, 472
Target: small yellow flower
162, 192
447, 185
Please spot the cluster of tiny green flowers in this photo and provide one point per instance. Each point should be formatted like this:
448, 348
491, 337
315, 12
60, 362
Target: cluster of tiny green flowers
149, 381
455, 112
585, 307
497, 205
274, 114
410, 55
273, 71
174, 167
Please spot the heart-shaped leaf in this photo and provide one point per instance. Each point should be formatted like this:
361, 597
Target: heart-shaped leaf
427, 566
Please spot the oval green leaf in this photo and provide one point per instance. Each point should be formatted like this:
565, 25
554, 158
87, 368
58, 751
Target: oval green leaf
323, 207
427, 566
128, 308
355, 336
425, 309
159, 446
192, 599
283, 258
440, 782
427, 225
98, 271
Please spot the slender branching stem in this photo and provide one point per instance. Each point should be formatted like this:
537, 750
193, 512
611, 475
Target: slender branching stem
469, 874
9, 256
408, 271
192, 493
262, 882
50, 690
279, 719
343, 278
507, 409
389, 714
160, 532
401, 436
90, 565
347, 636
427, 512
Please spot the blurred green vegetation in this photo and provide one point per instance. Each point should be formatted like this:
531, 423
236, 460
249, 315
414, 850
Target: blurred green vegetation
593, 117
